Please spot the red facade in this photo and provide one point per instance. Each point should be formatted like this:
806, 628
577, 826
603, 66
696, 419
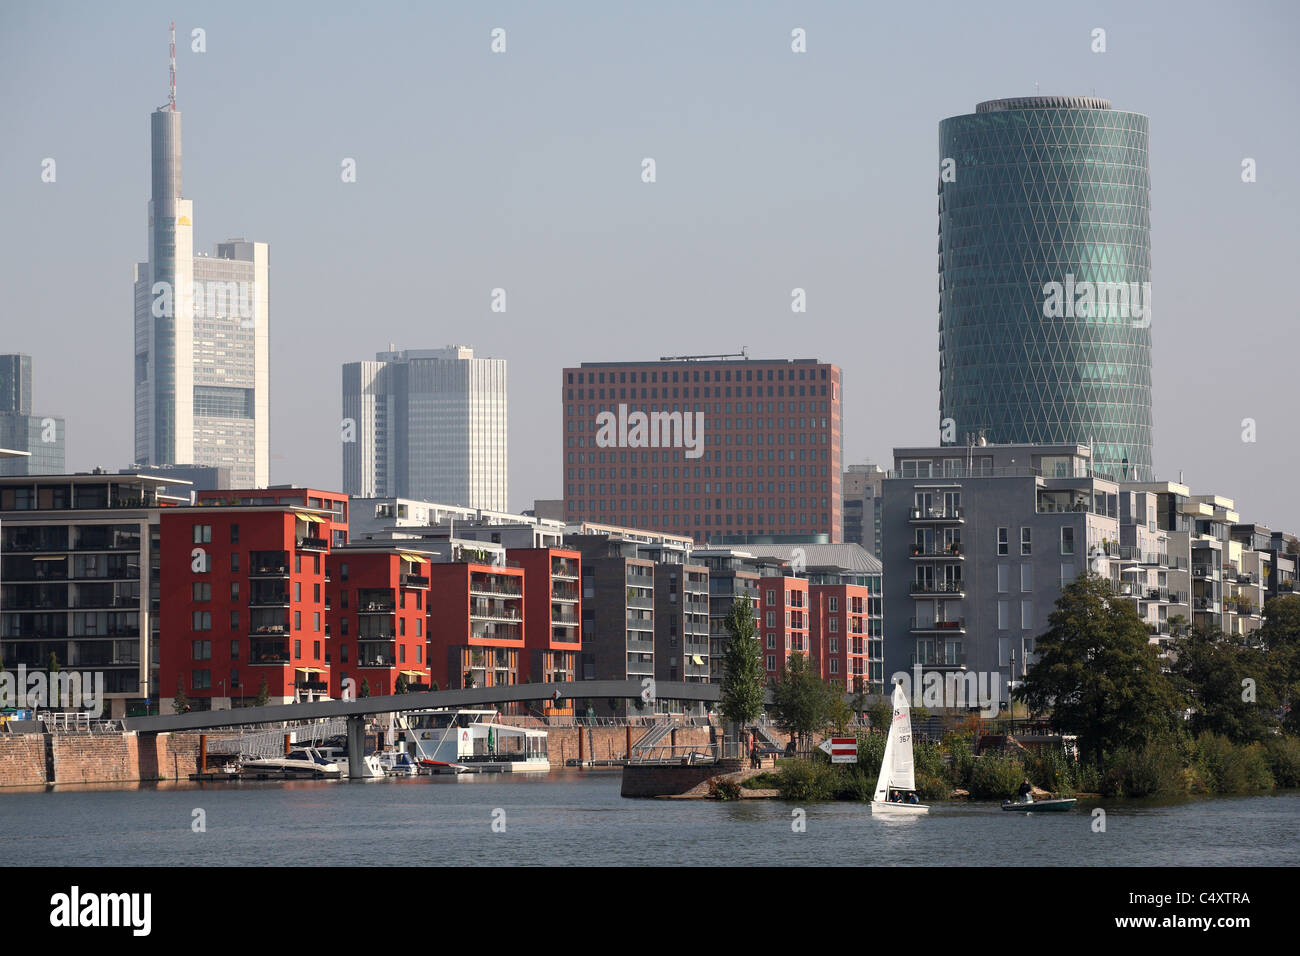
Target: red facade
839, 632
334, 502
242, 603
377, 604
784, 619
553, 617
476, 630
769, 461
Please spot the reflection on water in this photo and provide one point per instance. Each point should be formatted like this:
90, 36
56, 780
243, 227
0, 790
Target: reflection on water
579, 818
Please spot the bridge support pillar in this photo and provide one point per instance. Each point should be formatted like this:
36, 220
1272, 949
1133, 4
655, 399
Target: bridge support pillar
203, 753
356, 747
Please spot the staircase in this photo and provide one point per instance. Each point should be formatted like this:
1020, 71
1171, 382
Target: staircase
656, 733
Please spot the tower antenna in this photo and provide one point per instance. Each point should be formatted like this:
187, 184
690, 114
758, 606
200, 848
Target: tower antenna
171, 96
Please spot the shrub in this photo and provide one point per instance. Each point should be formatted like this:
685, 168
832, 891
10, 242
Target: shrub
962, 755
1283, 756
871, 751
1231, 768
996, 777
722, 788
1155, 769
854, 782
805, 780
1052, 770
930, 788
1087, 777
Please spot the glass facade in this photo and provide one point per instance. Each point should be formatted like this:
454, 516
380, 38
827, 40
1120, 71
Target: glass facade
1044, 277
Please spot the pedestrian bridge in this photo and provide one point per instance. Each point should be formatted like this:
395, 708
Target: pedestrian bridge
423, 700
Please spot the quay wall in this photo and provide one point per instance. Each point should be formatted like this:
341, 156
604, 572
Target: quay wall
650, 780
611, 743
33, 760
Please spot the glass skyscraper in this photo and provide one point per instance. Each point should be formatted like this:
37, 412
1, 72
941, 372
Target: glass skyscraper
1044, 278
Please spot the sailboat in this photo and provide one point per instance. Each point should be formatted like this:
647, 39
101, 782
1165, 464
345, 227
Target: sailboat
896, 772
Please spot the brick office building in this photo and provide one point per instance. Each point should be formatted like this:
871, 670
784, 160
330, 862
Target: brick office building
705, 447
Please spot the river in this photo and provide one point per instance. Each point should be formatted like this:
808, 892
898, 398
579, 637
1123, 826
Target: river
579, 818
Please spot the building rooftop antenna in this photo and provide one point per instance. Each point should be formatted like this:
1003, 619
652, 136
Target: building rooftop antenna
171, 95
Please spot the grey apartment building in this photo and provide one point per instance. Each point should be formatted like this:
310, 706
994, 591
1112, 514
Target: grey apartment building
978, 543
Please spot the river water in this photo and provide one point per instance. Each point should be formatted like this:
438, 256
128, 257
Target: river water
579, 818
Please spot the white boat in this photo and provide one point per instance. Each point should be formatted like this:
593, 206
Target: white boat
397, 763
339, 755
473, 741
897, 778
304, 761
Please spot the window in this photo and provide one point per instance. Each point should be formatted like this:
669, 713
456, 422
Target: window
419, 627
316, 622
835, 625
833, 605
835, 665
771, 597
234, 534
234, 650
1004, 578
1003, 541
234, 560
771, 662
401, 627
297, 592
316, 649
201, 680
1025, 540
343, 571
1004, 615
234, 590
297, 650
771, 619
835, 645
1067, 573
234, 620
771, 641
1027, 614
343, 653
202, 620
201, 590
1067, 541
1026, 577
297, 620
202, 533
202, 650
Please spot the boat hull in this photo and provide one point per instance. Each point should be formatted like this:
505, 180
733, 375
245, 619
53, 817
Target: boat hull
898, 809
1041, 806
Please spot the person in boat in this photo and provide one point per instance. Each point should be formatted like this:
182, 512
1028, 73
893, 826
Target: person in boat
1026, 792
912, 797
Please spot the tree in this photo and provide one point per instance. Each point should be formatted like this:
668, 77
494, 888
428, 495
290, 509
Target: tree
1098, 674
365, 688
401, 685
180, 703
801, 700
263, 694
469, 679
433, 685
1280, 637
742, 661
880, 712
1214, 671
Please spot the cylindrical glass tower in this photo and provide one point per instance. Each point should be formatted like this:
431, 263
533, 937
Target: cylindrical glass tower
1044, 277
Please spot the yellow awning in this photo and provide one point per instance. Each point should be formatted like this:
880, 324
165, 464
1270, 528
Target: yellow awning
414, 558
310, 519
53, 557
413, 673
309, 670
697, 659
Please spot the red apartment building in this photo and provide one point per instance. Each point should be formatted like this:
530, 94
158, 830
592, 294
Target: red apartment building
476, 624
840, 632
377, 606
784, 619
553, 618
243, 603
705, 446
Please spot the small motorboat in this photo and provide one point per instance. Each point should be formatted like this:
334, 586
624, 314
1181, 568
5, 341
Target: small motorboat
305, 761
1056, 805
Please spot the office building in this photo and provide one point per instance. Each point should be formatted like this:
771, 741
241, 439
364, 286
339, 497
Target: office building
201, 373
704, 446
426, 423
863, 491
43, 437
1044, 279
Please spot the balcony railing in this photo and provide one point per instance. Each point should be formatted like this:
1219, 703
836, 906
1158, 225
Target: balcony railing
926, 588
937, 514
415, 581
956, 624
941, 661
269, 571
312, 544
950, 551
268, 600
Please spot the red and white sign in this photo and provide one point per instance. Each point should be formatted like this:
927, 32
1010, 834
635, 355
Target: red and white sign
842, 749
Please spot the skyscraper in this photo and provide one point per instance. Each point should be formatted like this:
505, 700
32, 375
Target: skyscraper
426, 423
1044, 278
201, 332
42, 436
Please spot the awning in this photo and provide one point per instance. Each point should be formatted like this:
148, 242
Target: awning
413, 673
309, 670
415, 558
697, 659
52, 557
310, 519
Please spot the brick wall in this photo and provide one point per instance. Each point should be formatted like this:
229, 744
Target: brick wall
610, 743
648, 780
22, 760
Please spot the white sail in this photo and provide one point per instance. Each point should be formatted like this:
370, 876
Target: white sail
896, 767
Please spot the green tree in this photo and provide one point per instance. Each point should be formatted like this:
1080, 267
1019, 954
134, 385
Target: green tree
1280, 637
1214, 670
365, 688
263, 694
402, 684
880, 713
801, 700
469, 679
180, 703
1098, 674
742, 661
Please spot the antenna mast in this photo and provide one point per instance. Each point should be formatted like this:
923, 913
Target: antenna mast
171, 97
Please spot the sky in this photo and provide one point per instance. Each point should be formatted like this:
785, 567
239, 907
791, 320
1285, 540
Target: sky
521, 170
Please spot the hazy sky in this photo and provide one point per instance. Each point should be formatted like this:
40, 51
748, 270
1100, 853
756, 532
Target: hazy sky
522, 170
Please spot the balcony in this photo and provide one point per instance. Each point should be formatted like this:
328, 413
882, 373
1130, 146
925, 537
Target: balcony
494, 614
953, 589
376, 607
376, 654
488, 588
311, 544
268, 571
954, 626
562, 593
419, 581
269, 652
944, 662
269, 600
937, 515
937, 552
1205, 571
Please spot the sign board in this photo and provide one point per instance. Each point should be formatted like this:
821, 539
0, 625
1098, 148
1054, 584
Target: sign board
841, 749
